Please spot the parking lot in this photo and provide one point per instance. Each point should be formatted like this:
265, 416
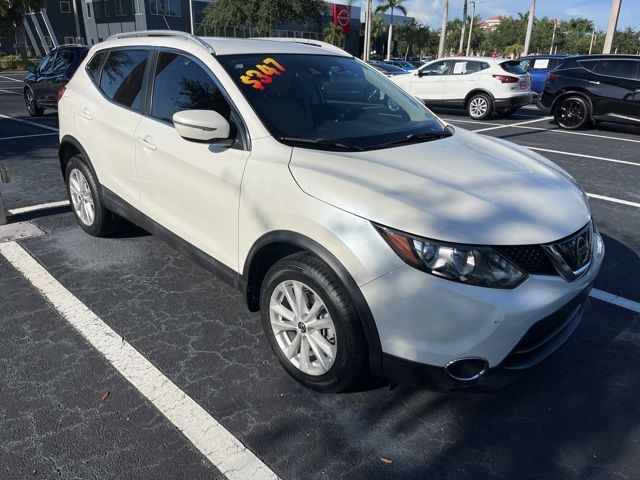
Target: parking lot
140, 364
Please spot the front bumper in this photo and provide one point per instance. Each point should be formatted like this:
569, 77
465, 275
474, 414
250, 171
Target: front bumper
516, 101
425, 323
541, 341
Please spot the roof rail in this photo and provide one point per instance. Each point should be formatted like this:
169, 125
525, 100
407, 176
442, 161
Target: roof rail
165, 33
307, 41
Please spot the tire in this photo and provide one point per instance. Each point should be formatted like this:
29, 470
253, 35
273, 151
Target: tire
572, 113
85, 199
30, 102
340, 327
506, 112
479, 106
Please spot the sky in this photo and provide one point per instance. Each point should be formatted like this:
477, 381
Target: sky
430, 11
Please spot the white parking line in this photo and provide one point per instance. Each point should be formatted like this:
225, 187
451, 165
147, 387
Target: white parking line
616, 300
513, 124
604, 159
9, 78
614, 200
40, 206
29, 136
215, 442
27, 122
7, 91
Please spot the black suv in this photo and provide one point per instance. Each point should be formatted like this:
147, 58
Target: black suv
592, 88
42, 83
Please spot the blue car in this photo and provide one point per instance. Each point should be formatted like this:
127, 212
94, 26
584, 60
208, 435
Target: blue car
539, 66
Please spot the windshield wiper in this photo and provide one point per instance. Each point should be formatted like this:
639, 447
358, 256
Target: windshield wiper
321, 141
417, 137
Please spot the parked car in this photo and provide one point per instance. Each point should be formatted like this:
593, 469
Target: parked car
539, 66
593, 88
481, 85
370, 238
403, 64
386, 68
42, 83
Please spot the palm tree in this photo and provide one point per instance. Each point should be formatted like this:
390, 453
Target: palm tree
391, 5
333, 34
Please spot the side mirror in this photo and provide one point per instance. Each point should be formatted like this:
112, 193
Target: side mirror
201, 125
31, 69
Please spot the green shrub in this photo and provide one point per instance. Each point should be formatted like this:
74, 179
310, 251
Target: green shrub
12, 62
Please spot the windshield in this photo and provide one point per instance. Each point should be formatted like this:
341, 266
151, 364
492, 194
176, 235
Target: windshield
329, 102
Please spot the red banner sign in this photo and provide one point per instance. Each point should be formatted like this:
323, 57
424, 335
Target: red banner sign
341, 17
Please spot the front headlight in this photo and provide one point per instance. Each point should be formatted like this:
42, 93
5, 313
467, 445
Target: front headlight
480, 266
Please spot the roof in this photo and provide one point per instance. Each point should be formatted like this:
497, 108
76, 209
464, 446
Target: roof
477, 59
223, 45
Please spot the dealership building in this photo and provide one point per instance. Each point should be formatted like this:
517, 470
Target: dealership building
92, 21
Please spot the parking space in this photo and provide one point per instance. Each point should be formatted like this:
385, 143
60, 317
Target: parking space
72, 406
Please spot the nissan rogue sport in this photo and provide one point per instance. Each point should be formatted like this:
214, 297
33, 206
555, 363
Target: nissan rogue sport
371, 236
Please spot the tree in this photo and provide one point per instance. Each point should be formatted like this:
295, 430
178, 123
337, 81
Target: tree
262, 15
334, 34
383, 8
12, 13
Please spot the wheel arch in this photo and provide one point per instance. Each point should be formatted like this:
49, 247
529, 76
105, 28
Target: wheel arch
476, 91
573, 92
274, 246
70, 146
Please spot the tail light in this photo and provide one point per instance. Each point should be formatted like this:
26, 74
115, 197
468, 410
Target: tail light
506, 78
61, 93
553, 76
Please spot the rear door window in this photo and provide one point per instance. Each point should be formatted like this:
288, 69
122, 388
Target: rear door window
63, 60
122, 77
617, 68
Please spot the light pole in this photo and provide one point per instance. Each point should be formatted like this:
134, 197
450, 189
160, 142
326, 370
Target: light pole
443, 31
527, 40
367, 31
613, 24
553, 36
473, 16
464, 25
593, 40
191, 20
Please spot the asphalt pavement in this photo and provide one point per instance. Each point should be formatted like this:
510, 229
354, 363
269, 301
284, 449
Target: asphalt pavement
69, 410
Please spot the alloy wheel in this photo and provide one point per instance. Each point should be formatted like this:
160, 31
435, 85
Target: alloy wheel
30, 102
571, 113
81, 197
478, 107
303, 327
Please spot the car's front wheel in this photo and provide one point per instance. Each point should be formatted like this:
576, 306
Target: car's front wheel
311, 324
86, 203
32, 106
479, 106
572, 113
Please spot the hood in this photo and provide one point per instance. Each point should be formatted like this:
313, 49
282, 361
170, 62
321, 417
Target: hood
465, 188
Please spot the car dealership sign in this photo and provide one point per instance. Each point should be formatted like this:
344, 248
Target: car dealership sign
341, 17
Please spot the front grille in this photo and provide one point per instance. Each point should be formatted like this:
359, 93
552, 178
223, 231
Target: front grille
576, 250
530, 259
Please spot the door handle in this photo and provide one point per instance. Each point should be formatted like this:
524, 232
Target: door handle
86, 114
593, 82
146, 142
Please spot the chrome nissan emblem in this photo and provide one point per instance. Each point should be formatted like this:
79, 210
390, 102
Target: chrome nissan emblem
582, 250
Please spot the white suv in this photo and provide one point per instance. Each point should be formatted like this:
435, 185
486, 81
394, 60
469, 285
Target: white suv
371, 236
481, 85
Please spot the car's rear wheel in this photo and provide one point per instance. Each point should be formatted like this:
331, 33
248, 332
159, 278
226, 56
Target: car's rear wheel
86, 202
479, 106
32, 107
311, 324
572, 113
